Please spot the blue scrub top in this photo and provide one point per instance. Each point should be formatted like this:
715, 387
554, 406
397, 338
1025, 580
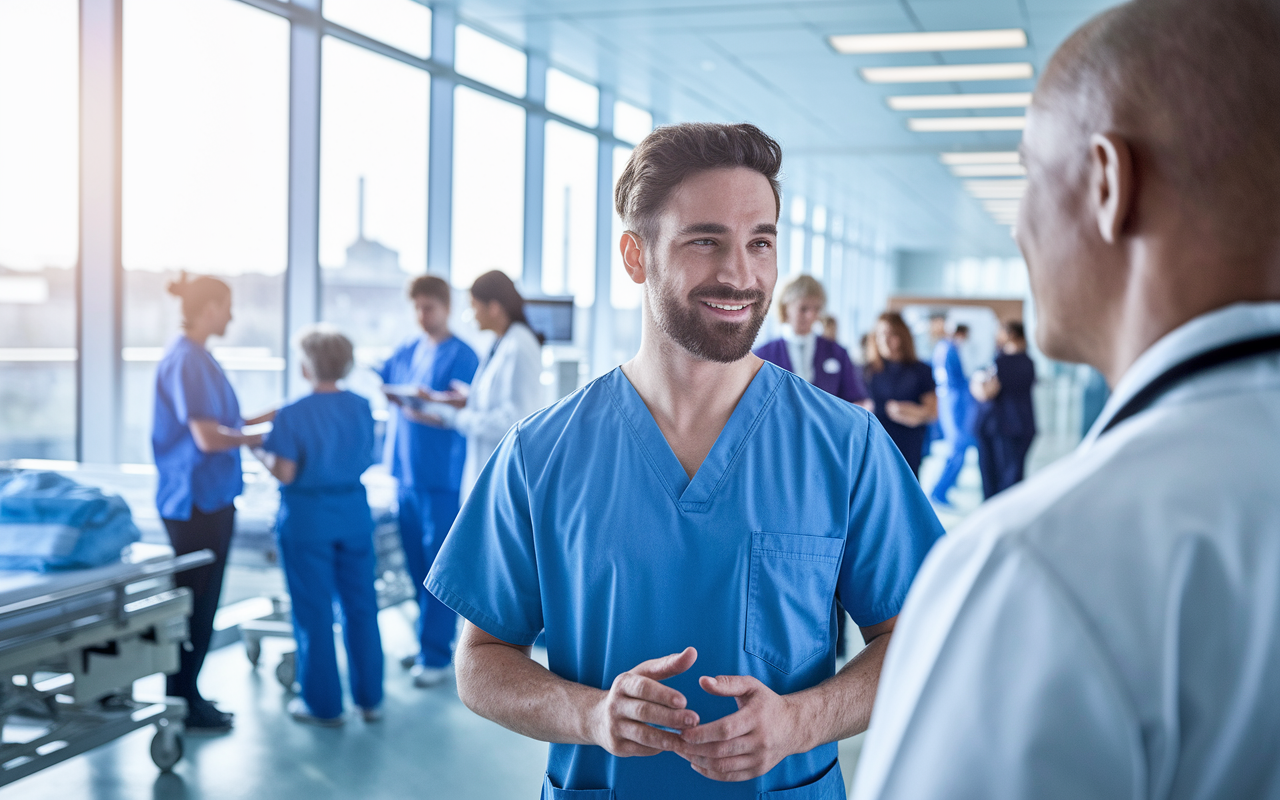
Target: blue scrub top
330, 437
191, 385
1011, 413
585, 525
423, 457
909, 381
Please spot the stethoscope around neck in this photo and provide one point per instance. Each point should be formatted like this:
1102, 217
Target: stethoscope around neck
1185, 370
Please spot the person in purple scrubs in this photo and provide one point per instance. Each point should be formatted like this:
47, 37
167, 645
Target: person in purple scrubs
902, 388
817, 359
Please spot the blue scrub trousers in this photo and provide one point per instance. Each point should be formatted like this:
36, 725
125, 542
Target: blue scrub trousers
1002, 461
324, 564
425, 519
955, 427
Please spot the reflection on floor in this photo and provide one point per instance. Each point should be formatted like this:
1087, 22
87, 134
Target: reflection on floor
429, 744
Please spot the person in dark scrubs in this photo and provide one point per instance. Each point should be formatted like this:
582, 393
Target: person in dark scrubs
318, 448
196, 439
1005, 420
902, 388
427, 461
817, 359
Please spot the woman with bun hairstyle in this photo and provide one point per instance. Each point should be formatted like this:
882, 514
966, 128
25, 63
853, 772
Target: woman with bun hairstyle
196, 439
506, 387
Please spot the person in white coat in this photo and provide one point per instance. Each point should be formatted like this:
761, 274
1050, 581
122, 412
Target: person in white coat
507, 386
1111, 627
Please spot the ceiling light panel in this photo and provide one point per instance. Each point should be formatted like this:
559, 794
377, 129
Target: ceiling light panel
936, 102
1001, 157
929, 42
950, 124
996, 190
988, 170
948, 73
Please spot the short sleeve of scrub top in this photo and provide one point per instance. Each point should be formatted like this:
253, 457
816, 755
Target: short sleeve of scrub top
195, 390
283, 439
501, 564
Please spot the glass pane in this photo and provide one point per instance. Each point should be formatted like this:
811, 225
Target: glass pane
39, 217
631, 124
572, 98
797, 210
490, 61
488, 187
569, 213
403, 24
373, 199
206, 121
797, 251
818, 263
819, 219
623, 293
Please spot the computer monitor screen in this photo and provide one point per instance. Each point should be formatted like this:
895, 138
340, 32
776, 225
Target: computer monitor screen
552, 317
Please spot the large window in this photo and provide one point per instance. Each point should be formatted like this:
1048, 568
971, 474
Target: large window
205, 181
373, 198
490, 61
488, 187
569, 213
39, 215
623, 292
403, 24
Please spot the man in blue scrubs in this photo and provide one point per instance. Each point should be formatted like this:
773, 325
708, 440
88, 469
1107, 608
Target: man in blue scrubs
954, 404
427, 461
682, 527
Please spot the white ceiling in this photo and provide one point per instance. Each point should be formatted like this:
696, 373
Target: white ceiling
769, 63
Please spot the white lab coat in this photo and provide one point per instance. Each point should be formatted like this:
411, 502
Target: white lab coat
507, 388
1111, 627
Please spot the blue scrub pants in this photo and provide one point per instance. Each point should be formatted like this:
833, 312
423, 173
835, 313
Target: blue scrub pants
323, 564
425, 519
1002, 460
955, 427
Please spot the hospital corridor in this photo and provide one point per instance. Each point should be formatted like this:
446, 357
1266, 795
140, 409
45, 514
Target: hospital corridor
634, 399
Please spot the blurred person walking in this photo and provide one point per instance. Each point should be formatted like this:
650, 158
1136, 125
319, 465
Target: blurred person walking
955, 403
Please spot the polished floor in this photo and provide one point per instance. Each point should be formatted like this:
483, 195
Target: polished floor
428, 746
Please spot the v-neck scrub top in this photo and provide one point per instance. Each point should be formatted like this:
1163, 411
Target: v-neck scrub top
585, 525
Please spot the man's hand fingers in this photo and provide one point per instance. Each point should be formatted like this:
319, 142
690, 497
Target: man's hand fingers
656, 714
729, 685
727, 766
667, 666
645, 735
738, 746
722, 776
730, 727
640, 687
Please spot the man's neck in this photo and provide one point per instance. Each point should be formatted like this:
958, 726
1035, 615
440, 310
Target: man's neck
439, 336
691, 399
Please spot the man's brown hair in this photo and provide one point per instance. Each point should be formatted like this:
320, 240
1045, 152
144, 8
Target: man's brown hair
430, 286
674, 152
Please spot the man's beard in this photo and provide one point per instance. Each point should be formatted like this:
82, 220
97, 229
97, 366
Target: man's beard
724, 342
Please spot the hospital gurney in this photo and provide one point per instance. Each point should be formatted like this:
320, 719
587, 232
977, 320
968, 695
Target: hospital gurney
72, 644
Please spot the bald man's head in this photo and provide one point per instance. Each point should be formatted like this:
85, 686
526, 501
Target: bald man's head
1152, 150
1194, 87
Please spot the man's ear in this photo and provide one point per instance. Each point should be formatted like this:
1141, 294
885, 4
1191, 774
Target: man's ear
1110, 184
632, 256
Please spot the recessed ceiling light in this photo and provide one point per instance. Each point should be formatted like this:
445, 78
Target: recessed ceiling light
930, 41
1002, 157
933, 102
939, 124
996, 190
948, 73
988, 170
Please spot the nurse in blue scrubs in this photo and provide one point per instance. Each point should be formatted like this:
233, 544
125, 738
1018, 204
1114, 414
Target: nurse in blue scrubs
682, 528
902, 388
196, 440
318, 448
427, 460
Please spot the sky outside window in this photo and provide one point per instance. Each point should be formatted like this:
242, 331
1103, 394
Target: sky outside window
488, 187
403, 24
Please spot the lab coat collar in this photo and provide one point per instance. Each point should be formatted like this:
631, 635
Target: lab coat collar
1206, 332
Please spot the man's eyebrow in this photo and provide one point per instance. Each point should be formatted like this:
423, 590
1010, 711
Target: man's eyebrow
704, 227
766, 227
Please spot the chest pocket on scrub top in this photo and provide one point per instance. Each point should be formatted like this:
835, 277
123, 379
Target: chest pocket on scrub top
790, 591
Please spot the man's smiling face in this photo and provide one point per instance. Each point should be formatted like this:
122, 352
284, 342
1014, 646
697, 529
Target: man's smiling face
714, 262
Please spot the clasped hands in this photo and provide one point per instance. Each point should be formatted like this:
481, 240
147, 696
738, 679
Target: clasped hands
743, 745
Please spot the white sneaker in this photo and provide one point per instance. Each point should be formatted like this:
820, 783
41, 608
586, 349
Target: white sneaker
371, 714
426, 677
299, 711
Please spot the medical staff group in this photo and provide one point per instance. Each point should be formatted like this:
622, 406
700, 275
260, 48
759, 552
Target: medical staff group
685, 533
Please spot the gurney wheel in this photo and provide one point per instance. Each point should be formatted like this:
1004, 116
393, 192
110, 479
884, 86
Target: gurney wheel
166, 748
287, 670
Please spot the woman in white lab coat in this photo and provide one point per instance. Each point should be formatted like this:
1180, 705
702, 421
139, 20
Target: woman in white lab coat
507, 386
